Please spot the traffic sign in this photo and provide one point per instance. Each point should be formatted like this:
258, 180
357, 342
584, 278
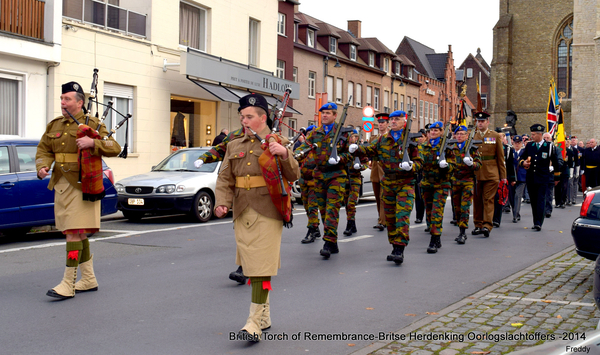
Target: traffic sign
368, 127
368, 111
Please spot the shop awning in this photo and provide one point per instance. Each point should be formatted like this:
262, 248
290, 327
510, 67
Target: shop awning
217, 91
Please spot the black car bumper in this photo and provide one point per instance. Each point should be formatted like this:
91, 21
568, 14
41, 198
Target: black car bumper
586, 236
157, 204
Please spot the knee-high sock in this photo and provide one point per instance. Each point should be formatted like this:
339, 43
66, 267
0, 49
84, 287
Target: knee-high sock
85, 253
74, 253
260, 289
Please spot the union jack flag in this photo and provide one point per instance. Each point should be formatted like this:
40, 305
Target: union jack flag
551, 117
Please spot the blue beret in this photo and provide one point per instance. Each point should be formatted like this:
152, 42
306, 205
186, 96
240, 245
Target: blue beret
310, 128
71, 86
328, 106
255, 100
481, 115
398, 114
437, 124
517, 139
356, 131
461, 128
537, 128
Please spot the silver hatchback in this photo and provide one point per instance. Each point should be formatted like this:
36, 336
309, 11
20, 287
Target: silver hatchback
173, 186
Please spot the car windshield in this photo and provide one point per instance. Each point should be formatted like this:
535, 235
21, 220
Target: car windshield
183, 160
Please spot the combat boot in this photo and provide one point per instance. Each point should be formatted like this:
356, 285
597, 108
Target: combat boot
88, 280
462, 237
238, 275
66, 288
311, 235
432, 249
398, 254
438, 241
350, 228
328, 249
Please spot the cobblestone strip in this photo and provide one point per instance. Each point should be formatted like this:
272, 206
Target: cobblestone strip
548, 301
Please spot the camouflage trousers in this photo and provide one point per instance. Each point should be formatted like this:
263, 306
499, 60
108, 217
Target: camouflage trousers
398, 197
462, 193
435, 201
351, 196
309, 200
330, 196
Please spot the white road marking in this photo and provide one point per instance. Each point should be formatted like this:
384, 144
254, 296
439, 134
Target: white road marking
346, 240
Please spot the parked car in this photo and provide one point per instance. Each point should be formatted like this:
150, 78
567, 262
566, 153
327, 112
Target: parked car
25, 200
366, 189
586, 228
175, 185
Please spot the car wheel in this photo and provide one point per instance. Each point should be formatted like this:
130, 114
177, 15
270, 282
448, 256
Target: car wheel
133, 216
202, 209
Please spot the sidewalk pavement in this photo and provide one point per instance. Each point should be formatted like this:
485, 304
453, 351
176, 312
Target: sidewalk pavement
552, 298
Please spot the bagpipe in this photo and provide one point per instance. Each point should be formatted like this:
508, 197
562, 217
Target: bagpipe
278, 186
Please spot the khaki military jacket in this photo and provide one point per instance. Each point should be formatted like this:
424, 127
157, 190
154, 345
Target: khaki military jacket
60, 137
241, 159
491, 152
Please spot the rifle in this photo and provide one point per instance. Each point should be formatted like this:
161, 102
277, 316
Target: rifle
444, 143
333, 156
406, 139
470, 143
357, 164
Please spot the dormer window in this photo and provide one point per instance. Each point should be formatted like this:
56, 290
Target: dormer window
332, 45
310, 41
353, 52
386, 65
410, 73
397, 70
371, 59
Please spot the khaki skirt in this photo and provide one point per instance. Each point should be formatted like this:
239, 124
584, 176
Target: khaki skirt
71, 211
258, 240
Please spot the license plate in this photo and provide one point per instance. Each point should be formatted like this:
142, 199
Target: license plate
136, 201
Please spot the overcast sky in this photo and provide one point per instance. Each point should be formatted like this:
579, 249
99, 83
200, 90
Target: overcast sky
465, 24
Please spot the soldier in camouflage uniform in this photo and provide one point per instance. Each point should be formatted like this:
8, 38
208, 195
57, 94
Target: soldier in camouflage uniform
354, 169
463, 179
330, 179
435, 183
309, 199
398, 181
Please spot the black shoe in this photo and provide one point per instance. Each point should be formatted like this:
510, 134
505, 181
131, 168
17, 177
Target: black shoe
514, 220
569, 203
562, 205
537, 228
518, 218
311, 235
432, 248
398, 254
454, 222
548, 215
379, 226
485, 231
417, 221
238, 276
428, 229
476, 231
328, 249
438, 241
350, 228
496, 224
527, 201
53, 293
462, 237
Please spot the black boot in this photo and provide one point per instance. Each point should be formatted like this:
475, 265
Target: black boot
462, 237
238, 275
438, 241
398, 254
328, 249
432, 249
311, 235
350, 228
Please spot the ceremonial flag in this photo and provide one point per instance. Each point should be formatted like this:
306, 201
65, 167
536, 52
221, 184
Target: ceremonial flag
551, 114
461, 116
560, 133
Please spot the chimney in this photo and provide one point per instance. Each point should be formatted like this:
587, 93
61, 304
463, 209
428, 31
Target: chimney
354, 27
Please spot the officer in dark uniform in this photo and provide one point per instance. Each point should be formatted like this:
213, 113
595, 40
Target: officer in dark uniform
536, 159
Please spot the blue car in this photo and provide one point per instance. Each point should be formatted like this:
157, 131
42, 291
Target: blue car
25, 201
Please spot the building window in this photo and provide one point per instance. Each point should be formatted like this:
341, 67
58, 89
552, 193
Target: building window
371, 59
338, 90
484, 101
469, 72
295, 74
353, 52
295, 32
281, 24
386, 65
431, 111
122, 98
402, 102
376, 100
253, 42
192, 26
358, 95
310, 40
105, 14
426, 111
312, 76
369, 95
11, 110
332, 45
329, 87
414, 104
410, 73
292, 129
311, 123
421, 109
565, 59
280, 69
437, 116
397, 70
395, 101
350, 93
386, 101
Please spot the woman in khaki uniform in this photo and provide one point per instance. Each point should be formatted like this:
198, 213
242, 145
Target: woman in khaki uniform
74, 216
257, 222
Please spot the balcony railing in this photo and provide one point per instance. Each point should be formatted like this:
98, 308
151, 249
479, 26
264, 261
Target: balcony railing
23, 17
106, 16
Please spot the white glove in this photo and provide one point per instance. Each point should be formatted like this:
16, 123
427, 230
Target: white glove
571, 173
551, 168
443, 164
356, 166
468, 161
352, 148
333, 161
407, 166
198, 163
581, 172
